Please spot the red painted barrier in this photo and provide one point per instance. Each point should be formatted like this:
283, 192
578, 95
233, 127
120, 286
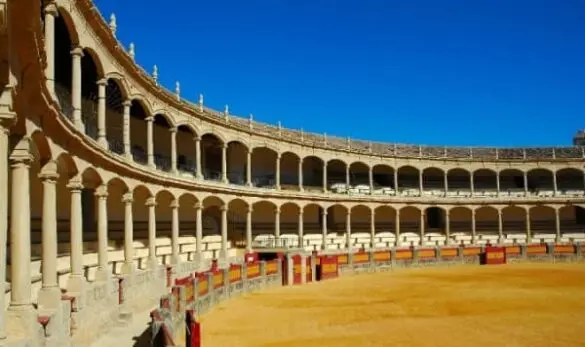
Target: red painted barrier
328, 267
251, 257
309, 266
194, 330
494, 255
187, 282
296, 270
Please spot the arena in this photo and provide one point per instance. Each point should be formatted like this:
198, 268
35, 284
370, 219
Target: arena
117, 192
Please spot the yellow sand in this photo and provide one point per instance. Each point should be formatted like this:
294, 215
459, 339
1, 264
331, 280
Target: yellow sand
505, 305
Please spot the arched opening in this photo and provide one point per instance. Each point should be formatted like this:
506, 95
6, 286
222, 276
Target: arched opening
359, 177
264, 167
385, 227
140, 225
115, 117
408, 181
460, 225
360, 227
542, 223
312, 227
434, 227
459, 182
485, 182
572, 223
289, 171
263, 223
312, 173
486, 225
289, 225
570, 182
512, 182
138, 130
187, 227
237, 157
237, 212
90, 181
514, 224
116, 217
63, 67
212, 226
211, 157
540, 182
410, 226
336, 176
89, 94
186, 152
433, 181
336, 227
383, 176
161, 131
164, 218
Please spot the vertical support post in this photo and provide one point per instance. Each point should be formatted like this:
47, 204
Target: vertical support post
102, 273
128, 266
175, 232
126, 130
150, 141
76, 55
76, 278
101, 114
151, 206
173, 150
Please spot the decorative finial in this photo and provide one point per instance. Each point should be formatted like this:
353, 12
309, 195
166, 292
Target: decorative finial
155, 74
226, 113
279, 129
113, 25
302, 135
250, 120
200, 102
178, 90
349, 142
131, 50
370, 146
325, 138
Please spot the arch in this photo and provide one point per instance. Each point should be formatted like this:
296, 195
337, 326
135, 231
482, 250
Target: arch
119, 182
142, 190
168, 119
570, 179
238, 201
360, 219
267, 146
289, 170
514, 222
542, 223
217, 136
96, 60
359, 174
459, 179
511, 179
41, 144
165, 195
460, 224
67, 164
141, 101
69, 23
408, 177
539, 179
486, 220
120, 81
91, 178
433, 178
192, 128
213, 200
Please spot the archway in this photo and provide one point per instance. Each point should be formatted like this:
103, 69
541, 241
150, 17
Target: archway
289, 171
211, 157
237, 157
313, 173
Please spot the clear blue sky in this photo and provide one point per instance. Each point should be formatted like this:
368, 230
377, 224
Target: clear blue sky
453, 72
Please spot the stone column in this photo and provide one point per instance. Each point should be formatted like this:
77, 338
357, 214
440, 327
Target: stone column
447, 227
198, 174
76, 55
76, 278
446, 183
249, 168
473, 232
150, 141
277, 174
50, 293
301, 229
199, 233
500, 227
6, 117
397, 227
422, 226
421, 186
348, 229
373, 228
126, 130
555, 185
525, 183
472, 183
528, 231
277, 226
396, 186
224, 163
224, 241
324, 177
249, 248
175, 232
371, 179
50, 14
128, 266
173, 150
324, 229
151, 206
102, 273
101, 113
20, 269
300, 173
557, 226
498, 183
347, 180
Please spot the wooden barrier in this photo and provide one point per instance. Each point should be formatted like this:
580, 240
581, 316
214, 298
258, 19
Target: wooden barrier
471, 251
426, 253
361, 257
536, 249
327, 268
218, 279
271, 267
564, 249
403, 254
382, 256
202, 284
253, 270
449, 252
342, 259
187, 282
494, 255
513, 250
235, 273
309, 267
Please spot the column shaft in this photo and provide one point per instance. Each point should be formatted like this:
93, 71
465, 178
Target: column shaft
4, 131
128, 234
347, 180
447, 227
396, 186
249, 230
50, 14
557, 226
324, 176
472, 183
76, 237
199, 173
373, 228
224, 167
301, 228
150, 141
224, 237
174, 150
446, 183
528, 230
76, 55
50, 294
525, 183
300, 174
249, 168
500, 227
371, 179
498, 183
126, 129
277, 178
473, 231
324, 229
555, 186
151, 206
277, 227
101, 113
103, 272
397, 227
421, 182
348, 229
199, 232
175, 232
422, 227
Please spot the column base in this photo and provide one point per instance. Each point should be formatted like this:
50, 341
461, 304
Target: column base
103, 142
76, 284
22, 323
49, 298
175, 259
152, 263
128, 268
128, 156
223, 261
102, 274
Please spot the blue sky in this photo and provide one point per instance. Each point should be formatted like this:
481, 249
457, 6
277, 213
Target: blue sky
453, 72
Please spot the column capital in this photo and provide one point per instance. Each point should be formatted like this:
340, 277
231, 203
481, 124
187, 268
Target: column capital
77, 52
173, 130
196, 138
324, 212
149, 119
75, 184
198, 206
102, 82
49, 175
127, 198
301, 212
175, 203
102, 192
223, 208
127, 103
150, 202
21, 154
250, 209
51, 9
277, 210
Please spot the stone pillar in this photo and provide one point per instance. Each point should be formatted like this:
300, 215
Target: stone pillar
103, 272
224, 241
249, 168
397, 227
50, 14
224, 163
371, 179
525, 183
249, 229
447, 227
373, 228
500, 227
498, 183
324, 176
20, 273
446, 183
422, 225
173, 150
50, 293
555, 186
199, 232
101, 113
472, 183
348, 229
473, 232
347, 180
396, 186
151, 206
76, 278
277, 226
277, 174
528, 231
76, 55
175, 232
198, 174
300, 173
324, 229
421, 186
126, 130
6, 117
150, 141
557, 226
301, 229
128, 266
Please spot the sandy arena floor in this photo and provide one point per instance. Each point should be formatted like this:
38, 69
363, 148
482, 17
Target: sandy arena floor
510, 305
